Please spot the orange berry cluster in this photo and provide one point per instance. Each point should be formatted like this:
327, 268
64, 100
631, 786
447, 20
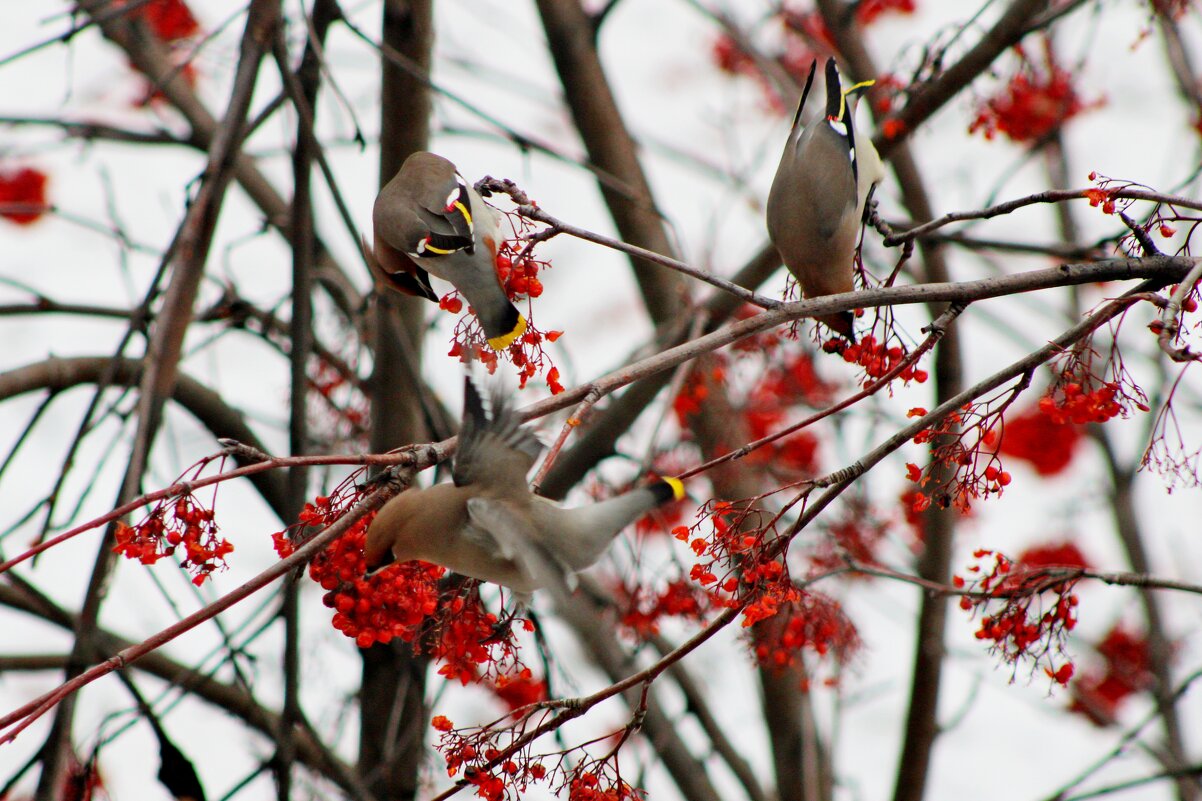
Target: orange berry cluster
737, 549
525, 353
787, 383
729, 549
182, 523
586, 785
168, 20
810, 620
466, 636
640, 614
521, 278
171, 22
804, 31
519, 689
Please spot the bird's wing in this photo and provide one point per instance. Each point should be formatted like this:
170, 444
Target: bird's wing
425, 211
438, 188
396, 270
495, 449
504, 530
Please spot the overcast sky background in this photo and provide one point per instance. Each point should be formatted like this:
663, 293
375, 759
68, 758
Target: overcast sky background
697, 127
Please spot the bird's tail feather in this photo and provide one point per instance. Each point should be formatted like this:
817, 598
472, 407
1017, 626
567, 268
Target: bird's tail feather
492, 413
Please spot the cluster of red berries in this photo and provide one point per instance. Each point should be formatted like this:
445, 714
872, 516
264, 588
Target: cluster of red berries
809, 26
965, 440
402, 601
731, 58
640, 614
800, 29
693, 393
587, 785
797, 452
913, 504
811, 621
965, 487
1127, 670
1053, 554
466, 636
764, 342
344, 406
1038, 100
393, 603
727, 548
472, 751
876, 358
1080, 405
182, 523
519, 689
169, 20
794, 378
738, 549
526, 353
1042, 436
1026, 626
784, 378
1100, 197
856, 534
521, 278
22, 194
786, 383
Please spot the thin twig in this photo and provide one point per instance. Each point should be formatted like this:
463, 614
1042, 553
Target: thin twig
1170, 322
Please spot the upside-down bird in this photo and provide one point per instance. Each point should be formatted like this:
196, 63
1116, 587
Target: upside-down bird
427, 219
487, 524
822, 186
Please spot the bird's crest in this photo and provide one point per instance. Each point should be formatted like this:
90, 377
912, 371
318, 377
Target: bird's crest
801, 104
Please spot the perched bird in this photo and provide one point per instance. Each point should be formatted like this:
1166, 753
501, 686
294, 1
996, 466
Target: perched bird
427, 219
487, 524
819, 194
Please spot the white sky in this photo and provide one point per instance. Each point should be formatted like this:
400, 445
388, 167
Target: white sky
1010, 741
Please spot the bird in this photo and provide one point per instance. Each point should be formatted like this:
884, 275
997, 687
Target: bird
429, 221
486, 523
822, 185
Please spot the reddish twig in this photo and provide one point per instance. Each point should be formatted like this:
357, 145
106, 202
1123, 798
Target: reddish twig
1050, 196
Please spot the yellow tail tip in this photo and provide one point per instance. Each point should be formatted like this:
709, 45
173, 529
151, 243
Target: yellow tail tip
677, 487
505, 340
